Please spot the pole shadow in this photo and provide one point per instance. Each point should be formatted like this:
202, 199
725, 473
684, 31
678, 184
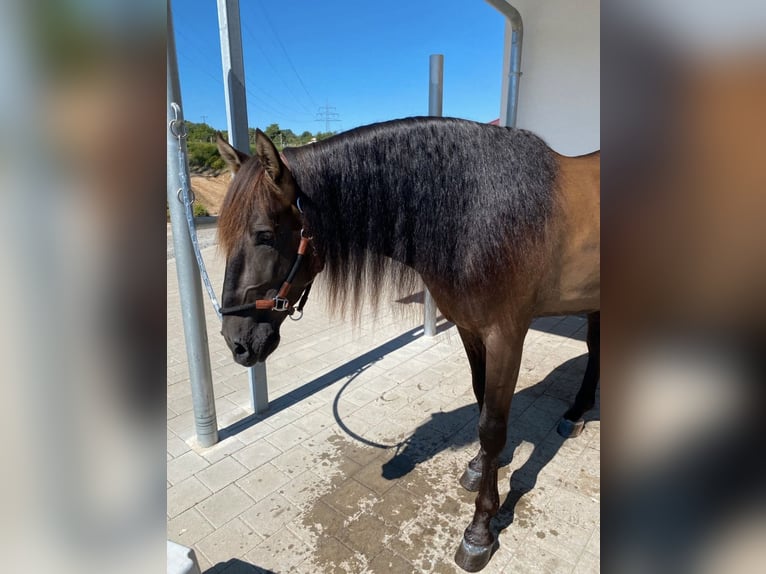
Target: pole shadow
417, 298
350, 369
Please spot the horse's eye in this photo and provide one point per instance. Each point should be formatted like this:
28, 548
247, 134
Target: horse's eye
264, 238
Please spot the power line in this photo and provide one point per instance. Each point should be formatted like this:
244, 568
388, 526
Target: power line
327, 114
289, 60
265, 105
266, 58
289, 114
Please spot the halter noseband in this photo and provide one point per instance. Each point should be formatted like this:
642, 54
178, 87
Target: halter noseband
280, 302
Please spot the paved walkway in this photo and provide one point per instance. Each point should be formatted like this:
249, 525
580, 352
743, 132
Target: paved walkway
355, 466
205, 234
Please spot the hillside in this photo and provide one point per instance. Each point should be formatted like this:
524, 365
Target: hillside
209, 190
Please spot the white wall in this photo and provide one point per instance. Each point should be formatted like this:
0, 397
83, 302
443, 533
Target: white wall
559, 95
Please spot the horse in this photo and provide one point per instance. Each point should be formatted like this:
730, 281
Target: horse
500, 228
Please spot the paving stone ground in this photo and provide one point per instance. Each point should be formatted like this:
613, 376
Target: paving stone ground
355, 466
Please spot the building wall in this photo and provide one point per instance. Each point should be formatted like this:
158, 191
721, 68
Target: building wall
559, 95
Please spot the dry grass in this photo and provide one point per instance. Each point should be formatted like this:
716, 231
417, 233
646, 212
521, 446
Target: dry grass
210, 190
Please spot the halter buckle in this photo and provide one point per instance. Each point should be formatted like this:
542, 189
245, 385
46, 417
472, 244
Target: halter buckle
281, 304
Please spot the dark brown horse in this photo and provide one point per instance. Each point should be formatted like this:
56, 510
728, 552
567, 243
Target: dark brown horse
501, 229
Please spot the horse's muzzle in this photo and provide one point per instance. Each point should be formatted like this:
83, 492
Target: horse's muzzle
253, 346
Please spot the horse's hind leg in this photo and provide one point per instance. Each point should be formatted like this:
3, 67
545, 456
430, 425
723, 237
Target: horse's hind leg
572, 423
477, 358
502, 369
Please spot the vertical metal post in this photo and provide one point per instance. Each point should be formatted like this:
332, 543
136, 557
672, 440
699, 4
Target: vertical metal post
233, 73
189, 287
514, 33
259, 388
435, 84
435, 93
233, 64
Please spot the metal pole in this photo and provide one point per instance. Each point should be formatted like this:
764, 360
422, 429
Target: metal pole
233, 73
189, 287
435, 84
435, 93
514, 34
259, 388
236, 119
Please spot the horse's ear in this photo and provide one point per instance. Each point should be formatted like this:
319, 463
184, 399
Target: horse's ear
233, 157
268, 156
272, 163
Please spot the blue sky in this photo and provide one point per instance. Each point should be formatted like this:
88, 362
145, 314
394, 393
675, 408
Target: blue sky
367, 59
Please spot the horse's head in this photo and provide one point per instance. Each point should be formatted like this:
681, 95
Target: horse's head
259, 229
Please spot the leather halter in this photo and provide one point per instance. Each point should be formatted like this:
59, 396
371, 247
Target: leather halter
280, 302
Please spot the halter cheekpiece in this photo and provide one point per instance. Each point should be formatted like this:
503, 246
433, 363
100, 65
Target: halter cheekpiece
280, 302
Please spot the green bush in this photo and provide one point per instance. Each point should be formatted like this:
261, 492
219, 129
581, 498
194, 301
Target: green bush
200, 211
204, 156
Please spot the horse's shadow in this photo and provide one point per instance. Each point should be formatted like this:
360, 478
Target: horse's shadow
535, 412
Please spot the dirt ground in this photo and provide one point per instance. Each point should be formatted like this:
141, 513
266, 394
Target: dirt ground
209, 190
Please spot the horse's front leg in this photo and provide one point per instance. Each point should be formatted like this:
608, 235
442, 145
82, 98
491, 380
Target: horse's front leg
503, 360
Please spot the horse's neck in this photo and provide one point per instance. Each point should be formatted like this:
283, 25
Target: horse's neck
370, 228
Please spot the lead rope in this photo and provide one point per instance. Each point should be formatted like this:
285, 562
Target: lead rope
186, 197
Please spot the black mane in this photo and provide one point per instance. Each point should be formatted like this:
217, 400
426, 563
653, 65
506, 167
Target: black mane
453, 199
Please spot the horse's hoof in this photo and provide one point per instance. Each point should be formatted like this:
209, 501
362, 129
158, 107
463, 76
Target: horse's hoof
473, 558
470, 479
570, 429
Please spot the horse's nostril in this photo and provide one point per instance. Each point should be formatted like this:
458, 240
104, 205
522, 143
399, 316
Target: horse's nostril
239, 349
